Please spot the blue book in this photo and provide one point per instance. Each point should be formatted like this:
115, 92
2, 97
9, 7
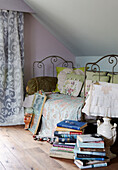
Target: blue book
65, 140
77, 150
72, 124
92, 159
65, 135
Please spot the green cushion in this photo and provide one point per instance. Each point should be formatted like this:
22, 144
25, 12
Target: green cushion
81, 68
47, 84
115, 78
90, 74
73, 76
102, 78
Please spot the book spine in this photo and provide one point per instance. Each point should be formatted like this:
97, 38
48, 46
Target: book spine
61, 154
68, 126
66, 129
76, 133
93, 149
92, 153
99, 165
63, 146
62, 149
90, 144
66, 134
91, 159
88, 156
67, 140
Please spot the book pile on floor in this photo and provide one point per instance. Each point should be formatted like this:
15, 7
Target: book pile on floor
65, 138
90, 151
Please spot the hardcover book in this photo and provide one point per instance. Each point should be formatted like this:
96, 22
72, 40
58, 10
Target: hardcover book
60, 154
99, 144
89, 138
77, 150
89, 162
65, 140
90, 159
89, 166
89, 156
72, 124
57, 144
68, 132
62, 149
66, 136
66, 129
93, 149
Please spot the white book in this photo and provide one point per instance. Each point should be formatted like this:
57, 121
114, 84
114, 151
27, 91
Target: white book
90, 166
89, 138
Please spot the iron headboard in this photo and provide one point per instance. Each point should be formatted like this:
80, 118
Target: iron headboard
53, 61
95, 67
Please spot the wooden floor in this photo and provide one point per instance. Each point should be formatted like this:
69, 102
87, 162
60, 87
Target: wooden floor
19, 151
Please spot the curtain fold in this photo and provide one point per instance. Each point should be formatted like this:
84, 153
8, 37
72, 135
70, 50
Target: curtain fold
11, 67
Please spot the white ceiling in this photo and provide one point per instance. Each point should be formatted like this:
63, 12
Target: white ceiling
85, 27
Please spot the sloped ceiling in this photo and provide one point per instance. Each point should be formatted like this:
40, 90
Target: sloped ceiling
85, 27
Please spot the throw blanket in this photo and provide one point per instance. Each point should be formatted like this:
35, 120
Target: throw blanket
57, 108
103, 98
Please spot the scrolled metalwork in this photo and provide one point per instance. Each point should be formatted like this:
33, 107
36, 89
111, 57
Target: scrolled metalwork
65, 64
53, 60
39, 65
95, 67
112, 60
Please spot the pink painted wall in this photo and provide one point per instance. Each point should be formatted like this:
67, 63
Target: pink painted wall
39, 43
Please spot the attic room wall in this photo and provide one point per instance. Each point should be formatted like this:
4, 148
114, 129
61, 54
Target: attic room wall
39, 43
104, 64
16, 5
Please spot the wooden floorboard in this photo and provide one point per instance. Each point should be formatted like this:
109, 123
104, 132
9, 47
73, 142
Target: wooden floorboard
19, 151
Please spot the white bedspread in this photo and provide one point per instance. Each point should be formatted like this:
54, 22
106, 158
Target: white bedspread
102, 99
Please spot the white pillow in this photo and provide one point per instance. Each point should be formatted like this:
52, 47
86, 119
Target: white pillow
62, 77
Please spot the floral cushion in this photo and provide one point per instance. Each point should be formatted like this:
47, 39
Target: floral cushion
72, 87
61, 75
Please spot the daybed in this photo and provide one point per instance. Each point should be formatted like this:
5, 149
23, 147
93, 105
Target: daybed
61, 103
70, 88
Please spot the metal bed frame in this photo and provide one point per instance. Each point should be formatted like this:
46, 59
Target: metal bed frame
54, 61
112, 60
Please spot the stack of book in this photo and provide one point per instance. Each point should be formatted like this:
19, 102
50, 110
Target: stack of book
90, 151
65, 138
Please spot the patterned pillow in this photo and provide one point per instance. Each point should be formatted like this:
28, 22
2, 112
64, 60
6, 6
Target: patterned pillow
61, 75
72, 87
73, 76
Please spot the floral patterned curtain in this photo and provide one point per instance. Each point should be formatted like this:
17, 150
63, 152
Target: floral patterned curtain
11, 67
